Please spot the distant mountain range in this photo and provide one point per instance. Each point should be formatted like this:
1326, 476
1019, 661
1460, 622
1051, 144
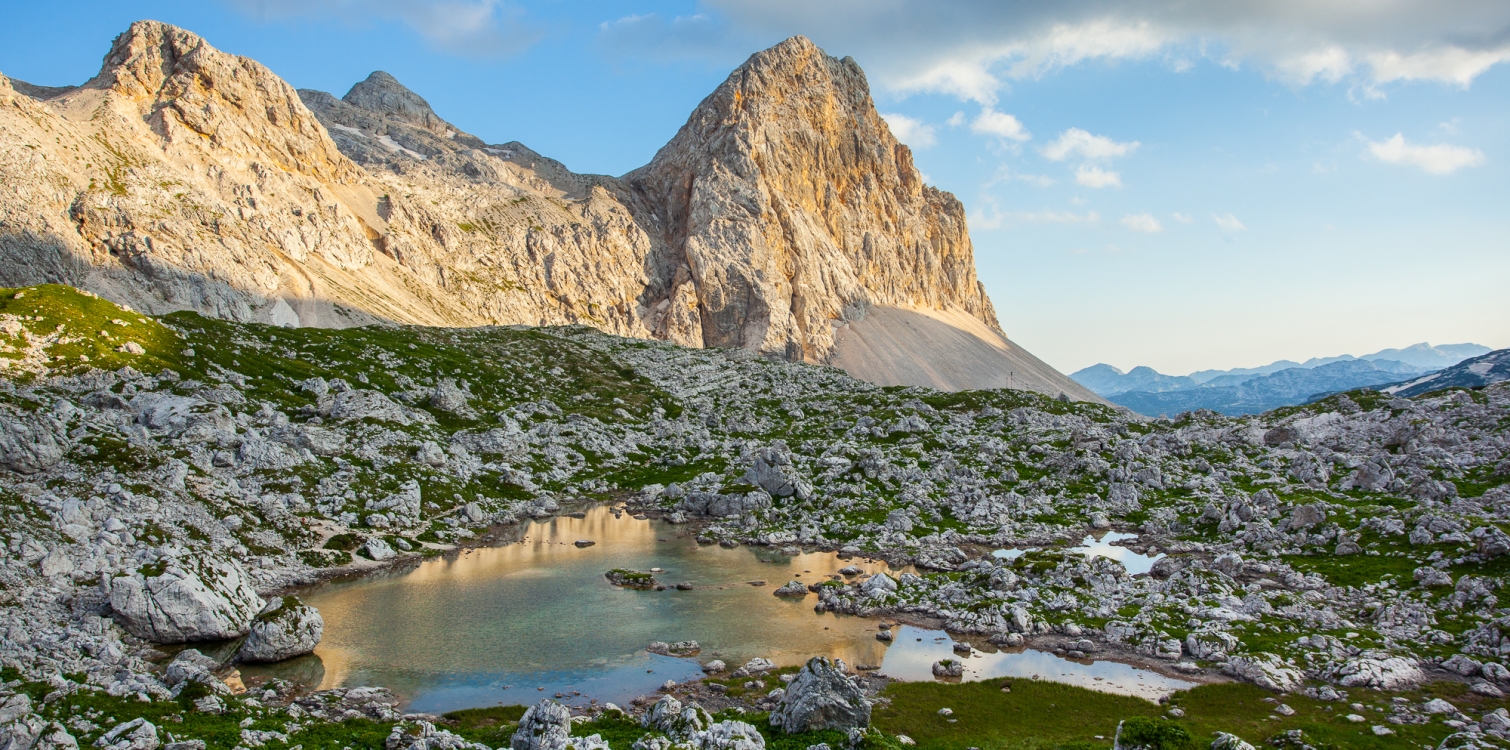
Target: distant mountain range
1480, 371
1252, 390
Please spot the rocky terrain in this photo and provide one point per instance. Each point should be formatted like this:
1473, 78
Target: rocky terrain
780, 216
168, 480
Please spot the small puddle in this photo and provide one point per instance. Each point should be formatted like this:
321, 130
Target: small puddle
512, 624
915, 650
1092, 546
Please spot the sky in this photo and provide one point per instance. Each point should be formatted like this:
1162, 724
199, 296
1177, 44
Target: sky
1148, 182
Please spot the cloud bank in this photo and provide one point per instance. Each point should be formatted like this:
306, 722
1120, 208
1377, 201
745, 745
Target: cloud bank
973, 49
470, 28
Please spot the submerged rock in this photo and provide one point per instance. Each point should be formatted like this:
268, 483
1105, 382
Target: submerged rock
821, 697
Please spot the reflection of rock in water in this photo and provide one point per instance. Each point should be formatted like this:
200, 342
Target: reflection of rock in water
307, 672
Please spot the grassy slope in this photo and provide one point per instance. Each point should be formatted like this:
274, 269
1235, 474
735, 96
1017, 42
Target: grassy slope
1047, 715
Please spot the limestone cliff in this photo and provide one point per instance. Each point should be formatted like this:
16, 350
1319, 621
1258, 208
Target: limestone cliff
783, 218
795, 209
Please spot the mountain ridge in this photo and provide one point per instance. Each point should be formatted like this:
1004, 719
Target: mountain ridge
1106, 379
185, 178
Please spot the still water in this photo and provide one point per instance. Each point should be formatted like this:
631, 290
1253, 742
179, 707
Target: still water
496, 625
1102, 546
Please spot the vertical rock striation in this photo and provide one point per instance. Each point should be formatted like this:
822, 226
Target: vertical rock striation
794, 209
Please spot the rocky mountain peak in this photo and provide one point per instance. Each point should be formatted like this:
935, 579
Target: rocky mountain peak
188, 91
833, 216
382, 94
783, 219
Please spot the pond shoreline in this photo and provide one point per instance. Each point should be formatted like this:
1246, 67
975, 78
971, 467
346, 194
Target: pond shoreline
502, 536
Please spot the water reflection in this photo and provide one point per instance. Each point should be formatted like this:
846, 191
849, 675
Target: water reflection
453, 632
1093, 546
915, 651
507, 625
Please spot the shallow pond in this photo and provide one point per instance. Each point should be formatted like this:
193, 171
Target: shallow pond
511, 623
1102, 546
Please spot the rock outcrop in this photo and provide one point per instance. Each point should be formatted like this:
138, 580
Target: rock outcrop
821, 697
286, 628
784, 218
186, 599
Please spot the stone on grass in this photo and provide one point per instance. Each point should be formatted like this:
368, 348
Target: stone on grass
544, 726
1266, 671
821, 697
137, 734
1226, 741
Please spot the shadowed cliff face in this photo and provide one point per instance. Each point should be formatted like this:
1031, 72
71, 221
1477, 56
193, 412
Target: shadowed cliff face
795, 209
182, 177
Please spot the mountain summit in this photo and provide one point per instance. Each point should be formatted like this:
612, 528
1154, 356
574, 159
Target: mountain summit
784, 218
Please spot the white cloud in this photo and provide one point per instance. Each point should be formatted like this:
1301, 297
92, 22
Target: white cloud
474, 28
991, 122
1096, 177
1142, 223
1182, 218
1078, 142
1058, 217
1228, 222
1438, 159
656, 37
911, 131
1444, 63
955, 120
990, 216
973, 50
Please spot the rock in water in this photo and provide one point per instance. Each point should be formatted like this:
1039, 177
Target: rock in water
286, 628
186, 599
792, 588
821, 697
544, 726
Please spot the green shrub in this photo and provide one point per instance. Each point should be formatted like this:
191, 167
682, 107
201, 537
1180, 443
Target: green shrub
1154, 734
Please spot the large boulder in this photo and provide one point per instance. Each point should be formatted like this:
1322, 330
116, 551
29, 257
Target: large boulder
821, 697
668, 717
185, 599
1382, 673
1266, 671
32, 732
544, 726
137, 734
351, 405
31, 444
730, 735
286, 628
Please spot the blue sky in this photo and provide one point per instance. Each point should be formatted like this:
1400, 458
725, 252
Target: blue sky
1148, 182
